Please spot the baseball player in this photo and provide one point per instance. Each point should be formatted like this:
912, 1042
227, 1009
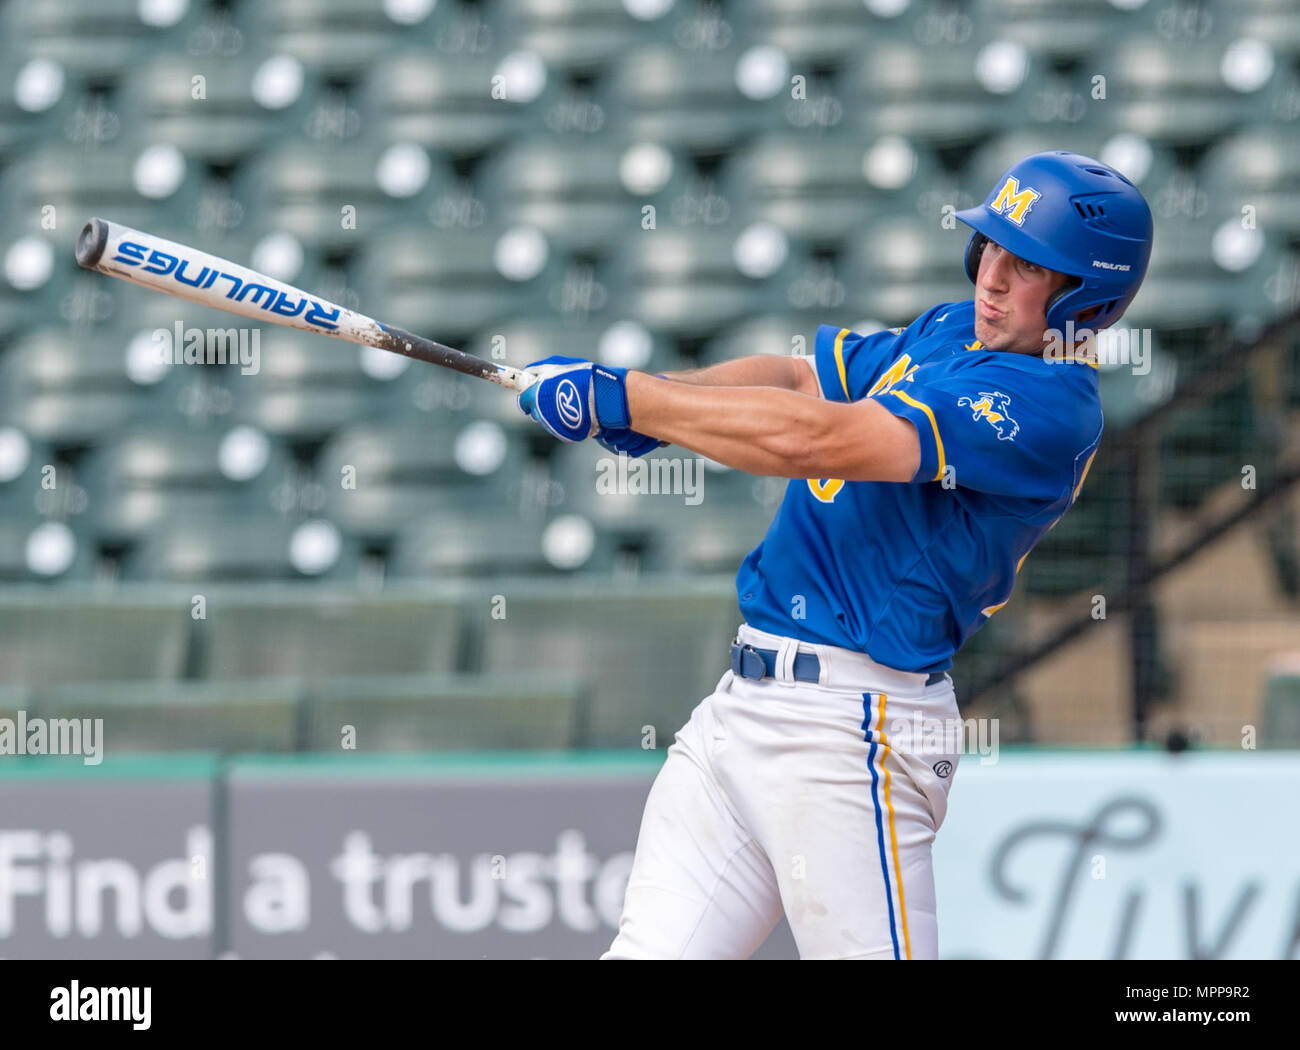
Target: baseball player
925, 463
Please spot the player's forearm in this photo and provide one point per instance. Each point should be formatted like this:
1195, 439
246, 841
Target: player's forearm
757, 429
756, 370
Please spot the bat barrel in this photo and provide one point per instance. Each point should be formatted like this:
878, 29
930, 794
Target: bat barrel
157, 263
91, 243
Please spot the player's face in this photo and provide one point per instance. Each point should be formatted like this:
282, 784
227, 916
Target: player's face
1011, 301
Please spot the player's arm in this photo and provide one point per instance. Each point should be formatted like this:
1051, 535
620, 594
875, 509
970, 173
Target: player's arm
785, 373
777, 432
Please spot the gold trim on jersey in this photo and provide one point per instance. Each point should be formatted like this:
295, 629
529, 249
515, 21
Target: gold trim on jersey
938, 441
839, 360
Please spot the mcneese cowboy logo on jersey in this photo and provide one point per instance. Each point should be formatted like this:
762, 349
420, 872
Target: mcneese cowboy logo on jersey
1013, 202
993, 407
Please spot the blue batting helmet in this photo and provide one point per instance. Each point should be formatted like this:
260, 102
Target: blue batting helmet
1074, 215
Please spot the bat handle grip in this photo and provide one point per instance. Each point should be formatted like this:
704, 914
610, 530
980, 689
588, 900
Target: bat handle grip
516, 379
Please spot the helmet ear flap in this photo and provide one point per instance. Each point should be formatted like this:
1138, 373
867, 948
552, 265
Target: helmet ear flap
1069, 286
974, 249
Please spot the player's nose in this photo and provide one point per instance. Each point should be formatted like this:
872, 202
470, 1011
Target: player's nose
996, 271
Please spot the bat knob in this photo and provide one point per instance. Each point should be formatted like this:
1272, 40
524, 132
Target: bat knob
91, 243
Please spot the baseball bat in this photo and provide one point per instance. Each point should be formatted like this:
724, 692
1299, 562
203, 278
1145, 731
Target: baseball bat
187, 273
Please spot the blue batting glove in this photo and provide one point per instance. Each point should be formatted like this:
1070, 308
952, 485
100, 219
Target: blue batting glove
575, 398
630, 441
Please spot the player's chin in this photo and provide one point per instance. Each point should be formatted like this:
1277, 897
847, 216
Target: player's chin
989, 336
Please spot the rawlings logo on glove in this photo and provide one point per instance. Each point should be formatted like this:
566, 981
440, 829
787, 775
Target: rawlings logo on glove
576, 399
568, 404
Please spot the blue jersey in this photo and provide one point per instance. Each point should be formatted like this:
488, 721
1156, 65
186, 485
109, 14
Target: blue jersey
907, 572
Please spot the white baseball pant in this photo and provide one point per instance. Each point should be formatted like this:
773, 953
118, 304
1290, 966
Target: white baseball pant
819, 799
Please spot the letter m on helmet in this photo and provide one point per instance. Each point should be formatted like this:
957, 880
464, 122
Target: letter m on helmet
1013, 202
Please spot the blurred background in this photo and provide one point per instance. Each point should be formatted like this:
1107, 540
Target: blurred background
334, 585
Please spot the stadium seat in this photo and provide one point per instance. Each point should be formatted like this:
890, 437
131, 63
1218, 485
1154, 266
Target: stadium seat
378, 476
41, 503
343, 38
1179, 96
1271, 20
37, 96
1256, 169
1059, 29
638, 498
1203, 271
71, 388
245, 103
689, 282
34, 280
90, 635
22, 465
649, 653
584, 194
901, 267
823, 189
257, 715
315, 633
149, 186
309, 386
99, 39
36, 549
648, 496
446, 712
941, 95
152, 475
584, 36
460, 543
453, 283
520, 341
444, 102
303, 189
444, 403
819, 34
246, 546
709, 540
691, 100
781, 335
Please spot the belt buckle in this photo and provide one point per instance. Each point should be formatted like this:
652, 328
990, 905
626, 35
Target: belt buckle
750, 661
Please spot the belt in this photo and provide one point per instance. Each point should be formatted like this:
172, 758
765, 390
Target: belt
749, 662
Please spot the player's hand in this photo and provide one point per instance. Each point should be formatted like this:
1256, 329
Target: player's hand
575, 398
629, 441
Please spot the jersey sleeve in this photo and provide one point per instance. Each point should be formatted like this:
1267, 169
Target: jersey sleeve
848, 364
994, 428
